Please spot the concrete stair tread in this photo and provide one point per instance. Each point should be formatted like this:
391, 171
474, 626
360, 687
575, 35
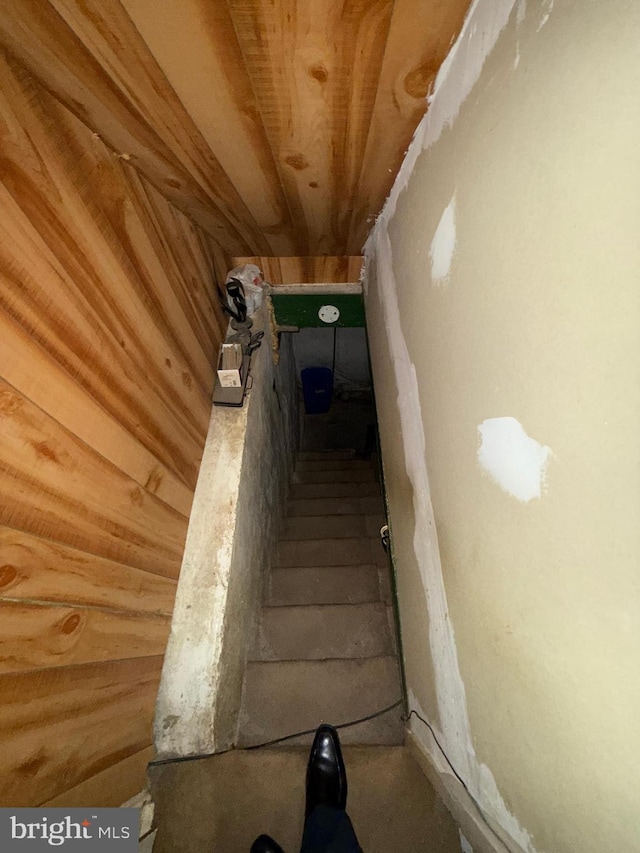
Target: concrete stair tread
325, 552
325, 455
324, 585
330, 526
333, 490
323, 631
324, 527
284, 697
358, 475
223, 803
335, 506
333, 465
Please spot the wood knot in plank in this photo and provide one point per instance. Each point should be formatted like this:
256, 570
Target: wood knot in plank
137, 498
71, 623
418, 81
297, 161
154, 480
45, 452
10, 403
319, 73
8, 574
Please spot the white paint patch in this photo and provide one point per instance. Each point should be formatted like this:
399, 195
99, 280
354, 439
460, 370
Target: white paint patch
513, 459
443, 245
464, 844
547, 8
516, 61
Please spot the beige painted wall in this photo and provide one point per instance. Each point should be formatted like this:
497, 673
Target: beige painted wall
521, 622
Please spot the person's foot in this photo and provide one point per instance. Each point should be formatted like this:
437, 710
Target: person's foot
326, 776
265, 844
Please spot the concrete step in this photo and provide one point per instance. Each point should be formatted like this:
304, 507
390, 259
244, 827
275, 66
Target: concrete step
305, 491
285, 697
331, 526
384, 583
324, 585
336, 506
333, 465
324, 552
324, 527
358, 476
318, 632
325, 455
223, 803
373, 523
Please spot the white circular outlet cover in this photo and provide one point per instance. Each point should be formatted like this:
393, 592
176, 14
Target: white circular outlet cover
329, 314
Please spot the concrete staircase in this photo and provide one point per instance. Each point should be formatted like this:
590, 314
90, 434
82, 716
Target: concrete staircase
325, 650
324, 653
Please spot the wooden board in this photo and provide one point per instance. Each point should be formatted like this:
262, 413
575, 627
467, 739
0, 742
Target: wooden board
307, 270
27, 366
302, 310
230, 122
62, 490
93, 59
111, 787
39, 570
314, 71
59, 727
279, 127
37, 636
69, 282
419, 38
109, 325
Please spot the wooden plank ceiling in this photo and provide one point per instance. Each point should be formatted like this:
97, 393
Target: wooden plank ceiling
277, 125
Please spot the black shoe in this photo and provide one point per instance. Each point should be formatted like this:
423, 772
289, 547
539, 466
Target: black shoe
265, 844
326, 776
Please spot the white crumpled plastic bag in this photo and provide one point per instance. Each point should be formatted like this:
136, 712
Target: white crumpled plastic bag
250, 276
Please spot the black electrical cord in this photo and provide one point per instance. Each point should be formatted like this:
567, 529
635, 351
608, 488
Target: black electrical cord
160, 761
414, 713
335, 338
340, 726
180, 759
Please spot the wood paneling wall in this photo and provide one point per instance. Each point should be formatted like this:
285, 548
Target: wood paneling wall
321, 270
109, 326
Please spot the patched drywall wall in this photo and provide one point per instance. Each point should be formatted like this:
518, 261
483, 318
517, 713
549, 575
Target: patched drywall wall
503, 309
238, 504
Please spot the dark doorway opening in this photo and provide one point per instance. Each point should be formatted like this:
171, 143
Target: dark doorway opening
350, 422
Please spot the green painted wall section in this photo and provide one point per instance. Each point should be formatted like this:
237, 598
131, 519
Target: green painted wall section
302, 310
